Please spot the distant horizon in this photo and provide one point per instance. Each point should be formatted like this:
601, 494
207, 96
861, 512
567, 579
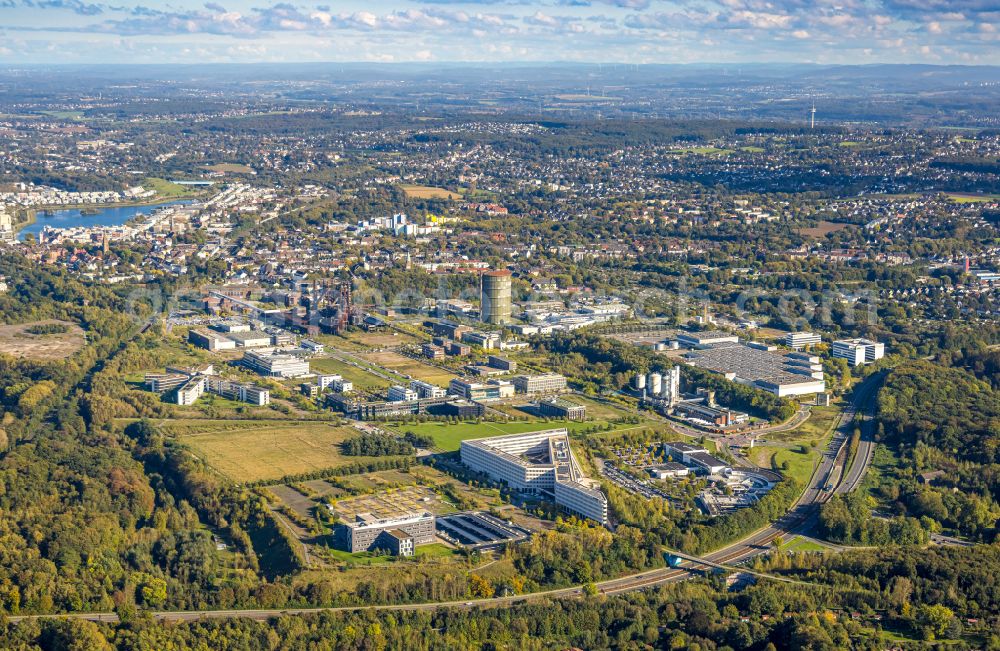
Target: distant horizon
960, 32
504, 64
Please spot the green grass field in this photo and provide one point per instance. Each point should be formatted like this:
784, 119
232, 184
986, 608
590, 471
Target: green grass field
819, 424
798, 544
817, 429
703, 151
973, 198
167, 190
449, 436
361, 378
434, 550
408, 366
259, 450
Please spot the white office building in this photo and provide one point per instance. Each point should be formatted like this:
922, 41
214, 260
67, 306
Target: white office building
399, 393
427, 390
272, 363
858, 351
800, 340
538, 463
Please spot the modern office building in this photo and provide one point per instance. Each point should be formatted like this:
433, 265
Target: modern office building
427, 390
165, 382
399, 393
397, 534
450, 329
858, 351
538, 463
485, 340
544, 383
210, 340
447, 406
492, 390
334, 382
192, 383
238, 391
800, 340
252, 339
430, 351
273, 363
559, 408
501, 363
189, 393
495, 298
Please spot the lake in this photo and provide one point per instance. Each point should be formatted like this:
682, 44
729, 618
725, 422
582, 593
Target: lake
104, 216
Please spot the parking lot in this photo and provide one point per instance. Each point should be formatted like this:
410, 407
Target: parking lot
479, 530
643, 488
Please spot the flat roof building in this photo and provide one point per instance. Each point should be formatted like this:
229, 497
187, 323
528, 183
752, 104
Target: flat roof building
485, 340
368, 533
858, 351
273, 363
559, 408
210, 340
780, 373
544, 383
537, 463
427, 390
398, 393
800, 340
705, 338
492, 390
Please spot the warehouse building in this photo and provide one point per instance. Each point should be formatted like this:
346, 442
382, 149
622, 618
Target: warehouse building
715, 415
538, 463
706, 338
762, 366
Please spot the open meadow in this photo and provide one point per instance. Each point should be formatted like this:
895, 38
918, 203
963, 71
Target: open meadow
246, 451
408, 366
428, 192
31, 341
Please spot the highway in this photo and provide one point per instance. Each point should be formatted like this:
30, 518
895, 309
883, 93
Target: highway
800, 519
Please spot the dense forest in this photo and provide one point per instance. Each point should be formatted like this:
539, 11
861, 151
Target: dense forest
858, 600
943, 425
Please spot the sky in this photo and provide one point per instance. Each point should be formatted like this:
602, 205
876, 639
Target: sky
629, 31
